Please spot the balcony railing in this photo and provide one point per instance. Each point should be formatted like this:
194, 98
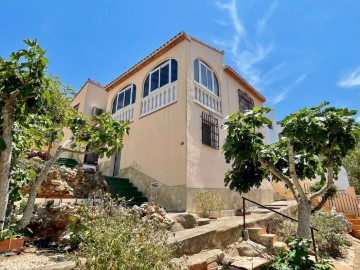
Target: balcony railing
207, 99
125, 114
159, 99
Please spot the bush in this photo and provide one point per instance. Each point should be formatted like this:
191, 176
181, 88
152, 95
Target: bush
331, 239
207, 201
297, 258
111, 237
332, 236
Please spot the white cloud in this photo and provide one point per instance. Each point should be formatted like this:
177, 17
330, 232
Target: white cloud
285, 90
232, 9
221, 22
279, 97
261, 24
357, 118
246, 53
350, 79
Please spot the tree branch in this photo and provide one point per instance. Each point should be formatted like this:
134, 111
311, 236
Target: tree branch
330, 181
292, 169
281, 176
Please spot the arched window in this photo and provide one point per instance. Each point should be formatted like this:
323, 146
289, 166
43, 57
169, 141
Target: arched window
125, 97
204, 75
160, 76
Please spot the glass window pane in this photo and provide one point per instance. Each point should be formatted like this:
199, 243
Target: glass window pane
196, 70
120, 101
146, 87
216, 86
164, 75
127, 97
209, 79
203, 75
114, 104
154, 80
174, 70
133, 97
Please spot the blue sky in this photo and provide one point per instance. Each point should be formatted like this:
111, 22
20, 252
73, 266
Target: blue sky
296, 53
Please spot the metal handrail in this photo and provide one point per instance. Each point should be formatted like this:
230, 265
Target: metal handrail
312, 229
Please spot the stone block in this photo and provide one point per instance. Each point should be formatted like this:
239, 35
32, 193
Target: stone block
203, 221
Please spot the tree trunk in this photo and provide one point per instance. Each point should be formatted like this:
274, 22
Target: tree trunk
29, 208
5, 160
304, 218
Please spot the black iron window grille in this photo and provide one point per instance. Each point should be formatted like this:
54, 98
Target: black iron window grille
245, 101
210, 130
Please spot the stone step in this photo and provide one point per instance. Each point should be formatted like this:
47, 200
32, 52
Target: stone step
255, 233
350, 216
356, 234
268, 240
279, 246
355, 227
355, 221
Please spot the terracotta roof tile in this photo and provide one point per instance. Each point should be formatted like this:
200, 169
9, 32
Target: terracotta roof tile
244, 83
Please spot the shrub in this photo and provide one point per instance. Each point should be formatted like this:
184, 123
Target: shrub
332, 236
207, 201
112, 237
297, 258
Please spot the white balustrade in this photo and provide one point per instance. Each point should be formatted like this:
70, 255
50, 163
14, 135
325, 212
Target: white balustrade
159, 99
207, 99
124, 114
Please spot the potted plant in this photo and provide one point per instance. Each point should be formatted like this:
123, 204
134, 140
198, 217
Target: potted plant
11, 240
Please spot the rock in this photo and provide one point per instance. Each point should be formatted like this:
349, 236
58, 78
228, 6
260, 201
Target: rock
36, 159
187, 220
65, 237
176, 227
250, 249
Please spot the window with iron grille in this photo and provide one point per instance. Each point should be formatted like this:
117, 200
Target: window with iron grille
210, 130
245, 101
76, 107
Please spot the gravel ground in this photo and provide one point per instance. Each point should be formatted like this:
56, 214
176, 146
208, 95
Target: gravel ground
31, 258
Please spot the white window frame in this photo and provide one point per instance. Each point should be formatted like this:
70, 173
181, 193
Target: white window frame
131, 87
168, 62
213, 77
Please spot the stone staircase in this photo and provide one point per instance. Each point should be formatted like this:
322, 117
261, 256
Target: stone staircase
352, 218
270, 241
355, 225
122, 187
68, 162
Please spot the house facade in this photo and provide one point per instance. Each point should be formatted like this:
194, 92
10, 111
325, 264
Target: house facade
176, 100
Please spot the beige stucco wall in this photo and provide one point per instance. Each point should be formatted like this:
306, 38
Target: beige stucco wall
90, 95
156, 145
206, 166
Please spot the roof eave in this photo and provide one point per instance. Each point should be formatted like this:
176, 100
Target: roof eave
244, 83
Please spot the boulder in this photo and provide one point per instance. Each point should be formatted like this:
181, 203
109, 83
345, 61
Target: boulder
250, 249
187, 220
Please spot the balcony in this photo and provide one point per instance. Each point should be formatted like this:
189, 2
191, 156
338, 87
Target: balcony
125, 114
159, 99
207, 99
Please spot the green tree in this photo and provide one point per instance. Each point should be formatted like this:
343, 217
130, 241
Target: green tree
21, 83
352, 166
102, 134
314, 142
